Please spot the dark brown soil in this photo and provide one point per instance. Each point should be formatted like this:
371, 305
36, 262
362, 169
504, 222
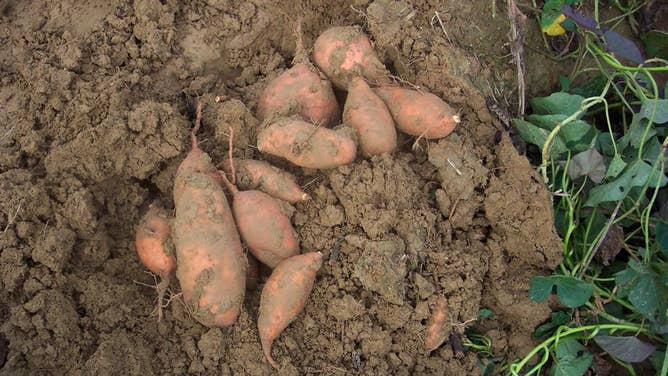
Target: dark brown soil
93, 125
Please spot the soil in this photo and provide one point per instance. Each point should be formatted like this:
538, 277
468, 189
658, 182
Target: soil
94, 124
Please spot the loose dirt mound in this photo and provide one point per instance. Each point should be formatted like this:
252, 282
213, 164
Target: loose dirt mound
94, 123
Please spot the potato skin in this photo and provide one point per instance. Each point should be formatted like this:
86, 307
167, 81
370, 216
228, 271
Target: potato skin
417, 113
435, 333
153, 243
197, 161
254, 174
284, 295
300, 91
265, 227
306, 145
343, 52
211, 266
368, 114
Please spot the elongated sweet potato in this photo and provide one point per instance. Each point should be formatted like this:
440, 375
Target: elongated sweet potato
343, 52
254, 174
284, 296
300, 91
307, 145
211, 266
419, 114
264, 225
436, 331
155, 248
368, 114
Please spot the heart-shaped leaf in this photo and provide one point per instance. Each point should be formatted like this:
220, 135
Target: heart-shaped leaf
627, 348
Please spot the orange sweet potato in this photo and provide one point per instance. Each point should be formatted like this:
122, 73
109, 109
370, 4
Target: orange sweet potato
368, 114
343, 52
436, 332
419, 114
300, 91
284, 296
254, 174
211, 266
155, 248
307, 145
264, 225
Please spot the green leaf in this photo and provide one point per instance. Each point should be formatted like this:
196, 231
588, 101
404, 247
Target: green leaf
655, 110
551, 11
557, 319
541, 288
637, 174
485, 313
627, 348
646, 295
576, 135
571, 359
571, 291
537, 136
617, 165
656, 43
661, 231
557, 103
564, 82
625, 280
591, 87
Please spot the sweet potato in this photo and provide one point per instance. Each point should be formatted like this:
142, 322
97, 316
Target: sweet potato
284, 296
419, 114
307, 145
254, 174
264, 225
300, 91
436, 332
155, 248
368, 114
343, 52
211, 266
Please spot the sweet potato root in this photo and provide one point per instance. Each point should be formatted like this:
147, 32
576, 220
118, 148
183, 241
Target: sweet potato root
211, 266
368, 114
307, 145
419, 114
284, 296
343, 52
264, 225
300, 91
254, 174
155, 248
436, 332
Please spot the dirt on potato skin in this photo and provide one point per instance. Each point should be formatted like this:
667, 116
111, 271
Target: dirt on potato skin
94, 127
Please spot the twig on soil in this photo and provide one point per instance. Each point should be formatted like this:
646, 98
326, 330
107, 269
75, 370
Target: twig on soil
455, 167
517, 26
310, 182
440, 22
229, 152
11, 219
8, 132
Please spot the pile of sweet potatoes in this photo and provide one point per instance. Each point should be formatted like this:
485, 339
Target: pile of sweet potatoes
302, 122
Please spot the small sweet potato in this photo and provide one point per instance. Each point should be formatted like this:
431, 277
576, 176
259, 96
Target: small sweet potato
436, 332
307, 145
155, 248
264, 225
368, 114
284, 296
343, 52
300, 91
419, 114
254, 174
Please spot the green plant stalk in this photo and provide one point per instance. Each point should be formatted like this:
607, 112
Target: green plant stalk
565, 332
664, 367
